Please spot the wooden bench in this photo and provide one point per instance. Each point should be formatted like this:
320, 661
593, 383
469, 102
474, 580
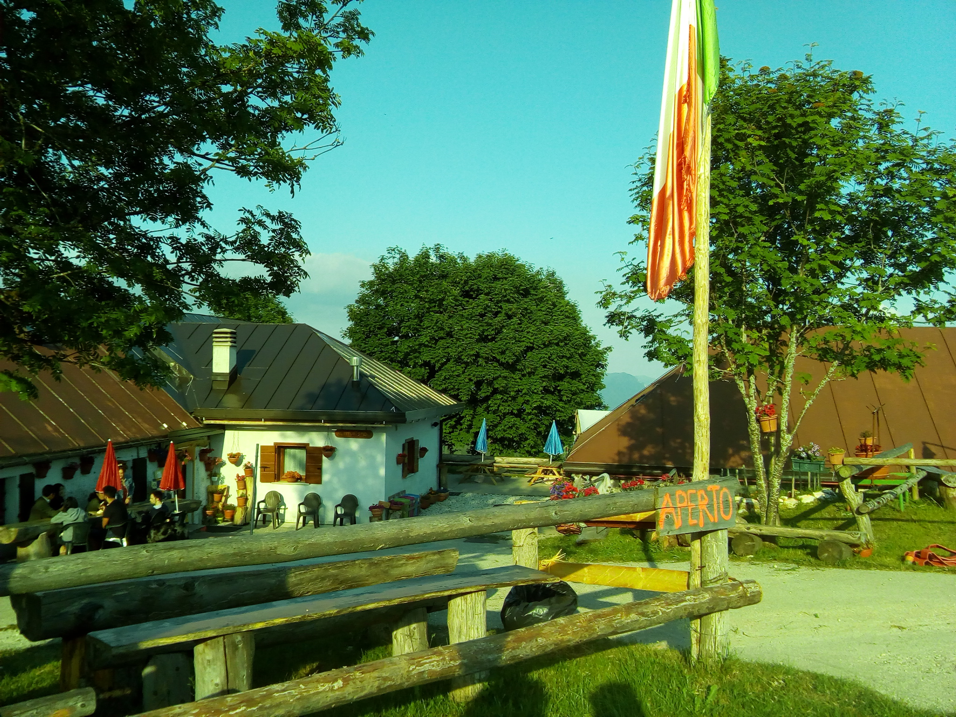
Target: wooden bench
223, 642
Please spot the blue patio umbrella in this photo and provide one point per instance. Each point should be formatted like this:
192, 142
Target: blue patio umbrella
481, 445
553, 447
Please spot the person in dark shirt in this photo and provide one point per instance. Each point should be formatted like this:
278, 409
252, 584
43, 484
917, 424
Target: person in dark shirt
42, 509
115, 514
58, 498
160, 511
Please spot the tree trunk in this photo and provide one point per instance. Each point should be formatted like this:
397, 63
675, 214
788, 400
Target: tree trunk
410, 633
524, 547
77, 703
349, 684
223, 665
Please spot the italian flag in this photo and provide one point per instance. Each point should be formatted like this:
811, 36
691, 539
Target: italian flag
690, 81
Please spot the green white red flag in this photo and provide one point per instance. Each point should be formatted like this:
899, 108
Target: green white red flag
690, 81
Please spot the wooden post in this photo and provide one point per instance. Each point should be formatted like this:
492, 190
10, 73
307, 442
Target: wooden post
223, 665
911, 455
73, 663
410, 633
524, 547
708, 550
349, 684
466, 621
167, 680
853, 502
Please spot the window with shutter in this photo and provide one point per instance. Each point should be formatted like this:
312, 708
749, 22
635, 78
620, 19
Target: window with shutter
267, 464
313, 465
410, 449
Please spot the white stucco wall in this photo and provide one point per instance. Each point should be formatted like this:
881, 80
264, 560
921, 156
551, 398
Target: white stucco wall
357, 467
427, 475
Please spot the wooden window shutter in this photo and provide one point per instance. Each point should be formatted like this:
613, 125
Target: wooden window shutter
313, 465
267, 464
410, 465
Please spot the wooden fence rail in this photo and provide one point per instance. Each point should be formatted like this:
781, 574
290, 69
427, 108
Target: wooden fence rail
342, 686
136, 561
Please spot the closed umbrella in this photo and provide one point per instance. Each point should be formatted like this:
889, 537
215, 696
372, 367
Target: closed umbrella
172, 475
109, 473
481, 445
553, 445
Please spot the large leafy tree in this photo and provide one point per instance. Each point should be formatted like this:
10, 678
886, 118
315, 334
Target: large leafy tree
832, 225
493, 332
113, 117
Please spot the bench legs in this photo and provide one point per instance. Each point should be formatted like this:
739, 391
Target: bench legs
410, 633
466, 621
166, 681
224, 665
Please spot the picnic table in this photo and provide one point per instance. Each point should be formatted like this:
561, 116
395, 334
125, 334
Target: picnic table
551, 473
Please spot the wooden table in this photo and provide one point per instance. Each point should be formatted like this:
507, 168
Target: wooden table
552, 473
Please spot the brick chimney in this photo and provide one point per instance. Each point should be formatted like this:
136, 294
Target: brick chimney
223, 358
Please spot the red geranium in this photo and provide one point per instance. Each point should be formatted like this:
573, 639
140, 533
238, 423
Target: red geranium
766, 411
590, 490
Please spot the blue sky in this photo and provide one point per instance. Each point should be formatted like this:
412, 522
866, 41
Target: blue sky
513, 125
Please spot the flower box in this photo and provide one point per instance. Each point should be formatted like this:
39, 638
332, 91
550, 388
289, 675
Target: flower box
802, 466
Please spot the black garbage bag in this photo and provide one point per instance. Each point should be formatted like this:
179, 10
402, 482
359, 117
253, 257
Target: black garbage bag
533, 604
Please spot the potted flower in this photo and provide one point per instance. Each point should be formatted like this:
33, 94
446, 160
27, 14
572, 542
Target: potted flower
69, 470
152, 455
204, 453
400, 459
422, 451
242, 500
808, 458
217, 497
866, 438
376, 511
836, 455
228, 511
767, 415
86, 464
234, 458
249, 469
240, 481
212, 464
41, 468
291, 477
634, 484
328, 451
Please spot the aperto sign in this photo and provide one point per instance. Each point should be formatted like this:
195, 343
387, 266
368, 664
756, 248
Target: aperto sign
696, 507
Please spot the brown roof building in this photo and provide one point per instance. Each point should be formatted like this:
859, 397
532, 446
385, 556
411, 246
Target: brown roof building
655, 428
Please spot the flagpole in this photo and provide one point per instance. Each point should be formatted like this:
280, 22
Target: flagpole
708, 550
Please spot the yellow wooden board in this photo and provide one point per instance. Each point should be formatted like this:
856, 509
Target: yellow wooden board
647, 515
619, 576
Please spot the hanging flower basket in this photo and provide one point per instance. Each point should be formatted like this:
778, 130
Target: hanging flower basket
400, 459
422, 451
767, 415
41, 468
69, 470
152, 455
204, 453
234, 458
86, 464
328, 451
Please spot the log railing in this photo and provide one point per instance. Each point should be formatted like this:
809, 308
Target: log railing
137, 561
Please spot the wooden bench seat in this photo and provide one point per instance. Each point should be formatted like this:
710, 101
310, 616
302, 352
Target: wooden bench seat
124, 645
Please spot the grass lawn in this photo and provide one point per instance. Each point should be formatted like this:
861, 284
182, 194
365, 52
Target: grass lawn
602, 679
922, 523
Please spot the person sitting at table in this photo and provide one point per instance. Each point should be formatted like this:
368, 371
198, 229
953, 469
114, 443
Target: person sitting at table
71, 513
115, 514
160, 512
95, 503
42, 510
58, 498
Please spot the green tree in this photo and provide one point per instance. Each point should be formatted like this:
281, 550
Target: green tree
492, 332
832, 225
113, 116
261, 308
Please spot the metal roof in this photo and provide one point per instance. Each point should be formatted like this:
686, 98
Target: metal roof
83, 410
655, 428
292, 372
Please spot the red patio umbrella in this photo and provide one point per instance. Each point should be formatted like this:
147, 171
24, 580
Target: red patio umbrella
172, 475
109, 473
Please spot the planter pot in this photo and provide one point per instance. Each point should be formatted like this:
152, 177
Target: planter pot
768, 425
235, 458
210, 513
86, 465
241, 501
875, 472
866, 441
204, 453
424, 502
400, 458
152, 455
328, 451
442, 496
249, 472
41, 469
377, 513
216, 497
836, 459
803, 466
422, 451
228, 514
69, 472
240, 484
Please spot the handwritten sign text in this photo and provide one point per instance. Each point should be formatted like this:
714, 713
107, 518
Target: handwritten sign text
695, 507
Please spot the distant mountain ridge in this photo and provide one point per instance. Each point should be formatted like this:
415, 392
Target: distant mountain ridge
618, 387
